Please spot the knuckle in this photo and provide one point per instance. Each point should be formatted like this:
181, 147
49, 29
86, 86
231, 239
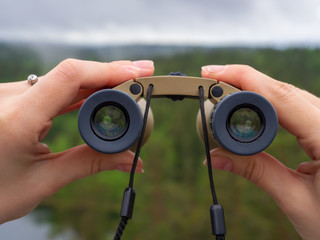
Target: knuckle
243, 73
96, 166
311, 145
243, 70
113, 72
112, 69
285, 90
253, 172
67, 69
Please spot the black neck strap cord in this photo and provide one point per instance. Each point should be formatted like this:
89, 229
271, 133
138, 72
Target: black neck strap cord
216, 210
129, 193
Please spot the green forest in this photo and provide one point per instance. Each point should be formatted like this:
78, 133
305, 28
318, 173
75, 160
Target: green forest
173, 194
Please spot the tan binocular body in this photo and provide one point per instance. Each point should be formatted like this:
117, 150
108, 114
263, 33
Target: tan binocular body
181, 86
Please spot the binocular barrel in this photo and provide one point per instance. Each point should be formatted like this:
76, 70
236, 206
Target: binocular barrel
242, 122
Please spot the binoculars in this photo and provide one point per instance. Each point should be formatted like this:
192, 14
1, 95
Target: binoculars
242, 122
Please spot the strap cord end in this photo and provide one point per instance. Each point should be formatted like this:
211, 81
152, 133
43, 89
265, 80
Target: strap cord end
217, 221
126, 211
128, 203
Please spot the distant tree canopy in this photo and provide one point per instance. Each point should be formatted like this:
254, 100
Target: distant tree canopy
173, 195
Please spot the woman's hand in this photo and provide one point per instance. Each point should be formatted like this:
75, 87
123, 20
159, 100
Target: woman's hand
297, 192
29, 172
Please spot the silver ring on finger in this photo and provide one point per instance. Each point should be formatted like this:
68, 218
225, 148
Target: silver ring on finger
32, 79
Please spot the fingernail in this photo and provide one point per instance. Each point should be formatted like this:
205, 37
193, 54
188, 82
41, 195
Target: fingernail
213, 68
44, 148
144, 64
127, 168
221, 163
145, 67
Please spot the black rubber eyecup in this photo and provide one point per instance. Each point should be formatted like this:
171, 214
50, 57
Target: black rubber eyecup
221, 122
122, 101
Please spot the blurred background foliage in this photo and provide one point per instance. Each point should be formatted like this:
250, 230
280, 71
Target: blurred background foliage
173, 195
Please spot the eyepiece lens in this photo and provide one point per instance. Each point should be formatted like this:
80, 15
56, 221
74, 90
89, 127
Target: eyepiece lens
110, 122
245, 124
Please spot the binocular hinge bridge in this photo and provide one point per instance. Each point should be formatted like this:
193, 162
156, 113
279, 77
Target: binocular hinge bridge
183, 86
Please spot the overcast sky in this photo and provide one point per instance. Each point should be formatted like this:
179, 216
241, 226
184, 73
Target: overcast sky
193, 22
197, 22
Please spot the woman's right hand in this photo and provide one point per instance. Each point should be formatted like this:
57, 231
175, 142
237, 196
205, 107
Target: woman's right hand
297, 192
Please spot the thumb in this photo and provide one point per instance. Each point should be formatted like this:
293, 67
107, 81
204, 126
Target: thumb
82, 161
263, 170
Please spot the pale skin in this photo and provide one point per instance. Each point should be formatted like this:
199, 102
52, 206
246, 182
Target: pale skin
297, 192
29, 171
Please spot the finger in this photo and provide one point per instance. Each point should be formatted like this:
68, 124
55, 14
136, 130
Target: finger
83, 94
241, 76
59, 88
311, 98
310, 168
82, 161
280, 182
13, 89
73, 107
291, 190
294, 110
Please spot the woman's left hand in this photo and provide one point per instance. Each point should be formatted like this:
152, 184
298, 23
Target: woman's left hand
29, 172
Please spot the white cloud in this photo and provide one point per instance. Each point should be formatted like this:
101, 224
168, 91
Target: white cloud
209, 22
